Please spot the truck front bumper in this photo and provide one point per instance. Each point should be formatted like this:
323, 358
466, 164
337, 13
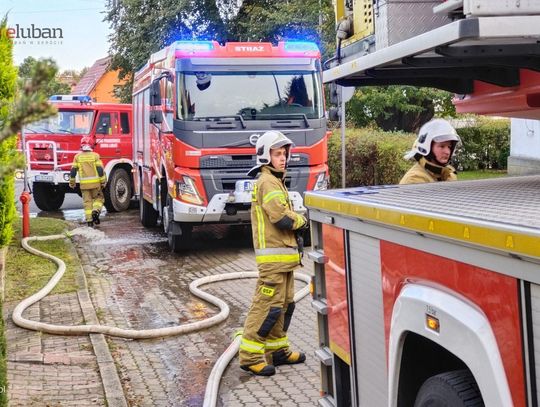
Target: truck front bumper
225, 208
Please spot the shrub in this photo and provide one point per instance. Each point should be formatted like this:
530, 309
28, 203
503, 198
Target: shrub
486, 145
373, 157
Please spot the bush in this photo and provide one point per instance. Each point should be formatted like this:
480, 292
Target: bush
373, 157
486, 145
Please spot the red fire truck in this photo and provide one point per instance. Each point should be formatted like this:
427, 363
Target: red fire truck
51, 144
199, 109
429, 294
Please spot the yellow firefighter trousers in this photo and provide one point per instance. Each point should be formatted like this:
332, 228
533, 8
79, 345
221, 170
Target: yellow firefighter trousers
92, 201
269, 316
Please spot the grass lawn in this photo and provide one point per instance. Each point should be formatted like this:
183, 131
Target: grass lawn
481, 174
27, 273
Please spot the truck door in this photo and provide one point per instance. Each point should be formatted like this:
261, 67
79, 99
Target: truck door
108, 135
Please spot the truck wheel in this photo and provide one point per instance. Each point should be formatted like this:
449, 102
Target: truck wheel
450, 389
118, 191
48, 197
147, 213
177, 243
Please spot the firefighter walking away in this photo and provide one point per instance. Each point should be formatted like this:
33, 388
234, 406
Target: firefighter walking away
264, 343
92, 180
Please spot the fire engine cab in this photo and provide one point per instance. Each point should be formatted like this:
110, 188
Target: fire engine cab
429, 294
199, 109
51, 144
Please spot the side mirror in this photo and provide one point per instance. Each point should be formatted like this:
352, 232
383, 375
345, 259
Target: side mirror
155, 93
334, 114
156, 117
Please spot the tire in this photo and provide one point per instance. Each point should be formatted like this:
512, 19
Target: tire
450, 389
48, 197
147, 213
178, 243
118, 191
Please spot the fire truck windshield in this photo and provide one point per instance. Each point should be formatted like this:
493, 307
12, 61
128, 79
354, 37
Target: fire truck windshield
253, 95
64, 122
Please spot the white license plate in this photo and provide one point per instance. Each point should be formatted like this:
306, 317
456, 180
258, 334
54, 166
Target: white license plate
245, 186
44, 178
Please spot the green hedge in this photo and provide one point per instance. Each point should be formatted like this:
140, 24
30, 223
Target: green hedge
373, 157
486, 145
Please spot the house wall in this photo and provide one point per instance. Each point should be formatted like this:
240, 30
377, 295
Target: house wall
524, 147
103, 91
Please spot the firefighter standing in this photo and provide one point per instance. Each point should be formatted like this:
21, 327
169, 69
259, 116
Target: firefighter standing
277, 255
432, 150
92, 180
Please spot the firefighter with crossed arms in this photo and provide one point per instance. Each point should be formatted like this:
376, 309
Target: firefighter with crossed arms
92, 180
275, 227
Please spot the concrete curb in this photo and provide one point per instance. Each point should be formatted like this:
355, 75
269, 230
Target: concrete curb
114, 393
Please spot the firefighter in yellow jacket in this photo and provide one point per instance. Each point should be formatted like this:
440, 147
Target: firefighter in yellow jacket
92, 180
432, 150
277, 255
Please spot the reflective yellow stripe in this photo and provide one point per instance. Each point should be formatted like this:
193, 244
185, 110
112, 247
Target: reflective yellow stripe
275, 194
252, 346
260, 227
277, 343
299, 220
278, 258
89, 180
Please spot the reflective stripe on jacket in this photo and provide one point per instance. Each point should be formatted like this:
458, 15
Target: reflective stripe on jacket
275, 247
90, 168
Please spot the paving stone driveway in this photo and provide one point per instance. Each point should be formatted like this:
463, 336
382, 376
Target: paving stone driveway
136, 283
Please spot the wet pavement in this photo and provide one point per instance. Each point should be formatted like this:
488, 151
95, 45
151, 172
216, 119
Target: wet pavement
135, 282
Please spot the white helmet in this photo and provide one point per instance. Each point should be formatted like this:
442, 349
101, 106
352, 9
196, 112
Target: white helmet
270, 140
438, 130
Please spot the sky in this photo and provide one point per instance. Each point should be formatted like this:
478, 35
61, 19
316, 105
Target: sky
85, 35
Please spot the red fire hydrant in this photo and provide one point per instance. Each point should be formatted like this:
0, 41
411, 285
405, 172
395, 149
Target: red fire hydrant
25, 199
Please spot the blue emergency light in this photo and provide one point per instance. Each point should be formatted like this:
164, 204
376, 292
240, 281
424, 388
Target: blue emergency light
71, 98
300, 46
194, 45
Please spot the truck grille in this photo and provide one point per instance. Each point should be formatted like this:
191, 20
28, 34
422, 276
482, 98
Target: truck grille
245, 161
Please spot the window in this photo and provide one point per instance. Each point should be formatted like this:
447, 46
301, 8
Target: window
104, 124
253, 95
124, 123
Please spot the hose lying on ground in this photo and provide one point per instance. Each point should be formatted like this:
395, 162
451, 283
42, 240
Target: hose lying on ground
120, 332
215, 376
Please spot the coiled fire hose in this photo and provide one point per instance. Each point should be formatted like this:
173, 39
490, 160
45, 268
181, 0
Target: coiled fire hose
212, 387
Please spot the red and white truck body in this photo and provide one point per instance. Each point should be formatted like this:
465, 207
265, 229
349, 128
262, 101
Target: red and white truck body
199, 109
51, 144
429, 294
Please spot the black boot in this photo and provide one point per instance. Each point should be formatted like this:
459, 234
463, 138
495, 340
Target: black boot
90, 224
95, 217
260, 369
281, 357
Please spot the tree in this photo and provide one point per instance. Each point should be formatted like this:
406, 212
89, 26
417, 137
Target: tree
393, 108
53, 86
141, 27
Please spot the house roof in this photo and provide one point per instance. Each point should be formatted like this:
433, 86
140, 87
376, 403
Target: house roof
90, 79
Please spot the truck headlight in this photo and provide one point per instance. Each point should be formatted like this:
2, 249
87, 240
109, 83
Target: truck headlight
321, 183
187, 191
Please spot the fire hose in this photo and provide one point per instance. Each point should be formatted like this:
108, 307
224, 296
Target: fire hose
212, 387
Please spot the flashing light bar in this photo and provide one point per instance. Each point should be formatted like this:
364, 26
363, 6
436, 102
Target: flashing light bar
71, 98
300, 46
194, 45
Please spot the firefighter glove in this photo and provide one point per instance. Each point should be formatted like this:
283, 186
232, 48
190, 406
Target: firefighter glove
72, 184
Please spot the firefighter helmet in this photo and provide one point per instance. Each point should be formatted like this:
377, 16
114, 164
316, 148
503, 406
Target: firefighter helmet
437, 130
203, 80
86, 144
270, 140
